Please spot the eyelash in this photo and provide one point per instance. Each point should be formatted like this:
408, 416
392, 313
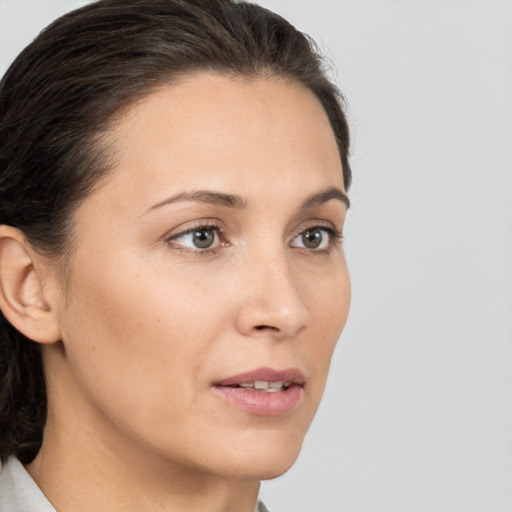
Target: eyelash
335, 237
209, 226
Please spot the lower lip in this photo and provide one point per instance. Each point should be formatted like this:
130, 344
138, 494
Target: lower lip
262, 403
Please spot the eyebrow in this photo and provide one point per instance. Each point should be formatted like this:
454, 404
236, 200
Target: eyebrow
206, 196
240, 203
324, 196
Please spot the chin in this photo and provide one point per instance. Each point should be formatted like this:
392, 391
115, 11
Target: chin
260, 449
261, 469
276, 470
264, 461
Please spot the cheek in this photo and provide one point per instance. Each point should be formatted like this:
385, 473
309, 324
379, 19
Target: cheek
329, 304
136, 343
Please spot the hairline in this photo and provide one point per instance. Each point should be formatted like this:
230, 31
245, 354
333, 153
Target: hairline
103, 143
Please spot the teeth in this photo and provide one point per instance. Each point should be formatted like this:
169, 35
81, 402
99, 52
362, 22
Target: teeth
265, 385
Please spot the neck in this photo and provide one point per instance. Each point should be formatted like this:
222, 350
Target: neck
78, 472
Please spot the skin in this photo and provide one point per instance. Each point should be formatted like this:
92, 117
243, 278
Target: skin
149, 321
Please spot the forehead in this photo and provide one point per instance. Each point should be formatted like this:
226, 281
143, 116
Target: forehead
226, 133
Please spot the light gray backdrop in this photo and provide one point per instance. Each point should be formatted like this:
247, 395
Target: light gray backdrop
418, 411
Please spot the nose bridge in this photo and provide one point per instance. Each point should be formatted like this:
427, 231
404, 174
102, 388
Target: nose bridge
272, 302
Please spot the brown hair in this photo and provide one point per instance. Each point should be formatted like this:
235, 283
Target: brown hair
64, 91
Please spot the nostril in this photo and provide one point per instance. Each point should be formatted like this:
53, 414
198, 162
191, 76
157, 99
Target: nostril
264, 327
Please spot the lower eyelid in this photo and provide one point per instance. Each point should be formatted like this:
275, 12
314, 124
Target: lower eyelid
331, 234
335, 237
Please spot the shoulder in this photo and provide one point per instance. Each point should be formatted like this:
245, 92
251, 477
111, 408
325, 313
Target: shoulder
260, 507
7, 487
18, 491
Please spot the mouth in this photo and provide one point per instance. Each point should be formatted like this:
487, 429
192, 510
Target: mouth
264, 391
264, 385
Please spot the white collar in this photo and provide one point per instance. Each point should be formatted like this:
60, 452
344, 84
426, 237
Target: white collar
19, 492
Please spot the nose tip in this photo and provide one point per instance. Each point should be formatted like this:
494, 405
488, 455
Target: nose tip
272, 305
266, 320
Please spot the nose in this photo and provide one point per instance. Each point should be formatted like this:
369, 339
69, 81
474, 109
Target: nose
271, 304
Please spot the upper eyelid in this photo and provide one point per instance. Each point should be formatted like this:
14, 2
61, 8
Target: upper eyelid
316, 223
217, 225
185, 230
332, 230
192, 230
170, 240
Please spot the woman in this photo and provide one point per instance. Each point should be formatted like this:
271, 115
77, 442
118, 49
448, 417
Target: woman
172, 279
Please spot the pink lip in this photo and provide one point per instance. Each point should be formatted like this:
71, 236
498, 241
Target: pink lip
293, 375
261, 403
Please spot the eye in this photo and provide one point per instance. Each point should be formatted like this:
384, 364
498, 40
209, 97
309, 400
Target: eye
314, 238
204, 237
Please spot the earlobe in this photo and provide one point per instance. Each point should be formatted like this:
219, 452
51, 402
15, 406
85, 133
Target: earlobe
22, 300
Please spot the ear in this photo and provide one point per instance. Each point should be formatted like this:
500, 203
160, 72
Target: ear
22, 298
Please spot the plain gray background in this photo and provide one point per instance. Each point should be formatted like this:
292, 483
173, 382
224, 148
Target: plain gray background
418, 411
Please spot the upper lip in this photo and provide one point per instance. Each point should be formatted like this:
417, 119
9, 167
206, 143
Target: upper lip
291, 375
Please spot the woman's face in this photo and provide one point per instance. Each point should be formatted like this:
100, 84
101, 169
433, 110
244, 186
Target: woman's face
207, 267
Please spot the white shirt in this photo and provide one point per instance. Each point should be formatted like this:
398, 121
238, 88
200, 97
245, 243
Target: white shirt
19, 492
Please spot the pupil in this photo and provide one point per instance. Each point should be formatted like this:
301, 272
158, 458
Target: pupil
204, 238
312, 239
